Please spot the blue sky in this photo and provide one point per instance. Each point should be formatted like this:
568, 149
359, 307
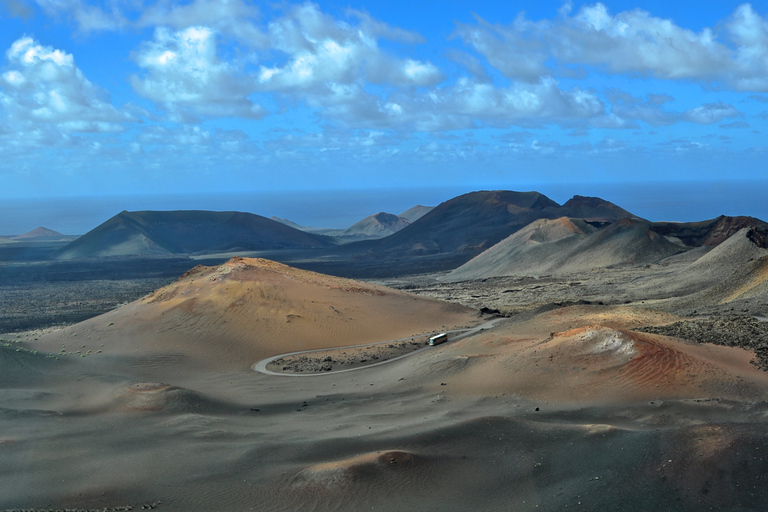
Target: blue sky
207, 96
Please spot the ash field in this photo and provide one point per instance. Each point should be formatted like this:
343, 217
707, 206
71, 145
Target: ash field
225, 361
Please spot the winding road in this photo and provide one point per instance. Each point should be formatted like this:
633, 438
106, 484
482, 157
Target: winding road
459, 334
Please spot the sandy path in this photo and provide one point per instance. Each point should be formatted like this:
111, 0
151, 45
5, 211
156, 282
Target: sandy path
261, 366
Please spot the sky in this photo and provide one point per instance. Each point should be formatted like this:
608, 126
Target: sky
223, 96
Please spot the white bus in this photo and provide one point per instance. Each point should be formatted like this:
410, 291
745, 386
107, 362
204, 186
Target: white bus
438, 338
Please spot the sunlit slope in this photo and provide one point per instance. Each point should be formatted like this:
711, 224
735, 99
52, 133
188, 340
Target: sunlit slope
733, 270
567, 245
185, 232
246, 309
528, 251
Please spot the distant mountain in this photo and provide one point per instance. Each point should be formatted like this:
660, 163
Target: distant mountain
460, 228
417, 212
188, 232
583, 207
708, 232
378, 225
548, 247
290, 223
372, 227
42, 234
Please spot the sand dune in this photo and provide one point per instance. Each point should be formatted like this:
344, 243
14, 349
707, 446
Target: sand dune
159, 397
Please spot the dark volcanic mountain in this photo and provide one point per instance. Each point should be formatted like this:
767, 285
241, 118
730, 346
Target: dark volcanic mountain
290, 223
708, 232
583, 207
460, 228
378, 225
188, 232
417, 212
372, 227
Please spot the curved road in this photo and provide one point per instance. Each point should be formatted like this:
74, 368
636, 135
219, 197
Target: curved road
261, 366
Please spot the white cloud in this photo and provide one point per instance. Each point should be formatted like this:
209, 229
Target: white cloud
234, 18
736, 124
43, 85
749, 32
184, 74
469, 103
18, 8
465, 104
630, 42
711, 113
88, 17
514, 50
322, 50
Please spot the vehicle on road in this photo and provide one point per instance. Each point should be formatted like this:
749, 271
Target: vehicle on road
438, 338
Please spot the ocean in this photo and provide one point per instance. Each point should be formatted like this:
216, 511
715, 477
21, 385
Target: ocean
655, 201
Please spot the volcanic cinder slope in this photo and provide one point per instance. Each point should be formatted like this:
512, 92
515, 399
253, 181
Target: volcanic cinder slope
168, 413
733, 272
575, 407
233, 315
459, 229
568, 246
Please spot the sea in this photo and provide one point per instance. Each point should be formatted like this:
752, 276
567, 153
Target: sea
656, 201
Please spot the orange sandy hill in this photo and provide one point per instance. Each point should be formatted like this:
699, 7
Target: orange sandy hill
590, 354
238, 313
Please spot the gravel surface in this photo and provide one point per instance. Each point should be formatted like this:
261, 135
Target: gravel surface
732, 331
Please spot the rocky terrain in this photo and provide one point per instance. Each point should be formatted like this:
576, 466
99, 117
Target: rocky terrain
731, 331
345, 359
